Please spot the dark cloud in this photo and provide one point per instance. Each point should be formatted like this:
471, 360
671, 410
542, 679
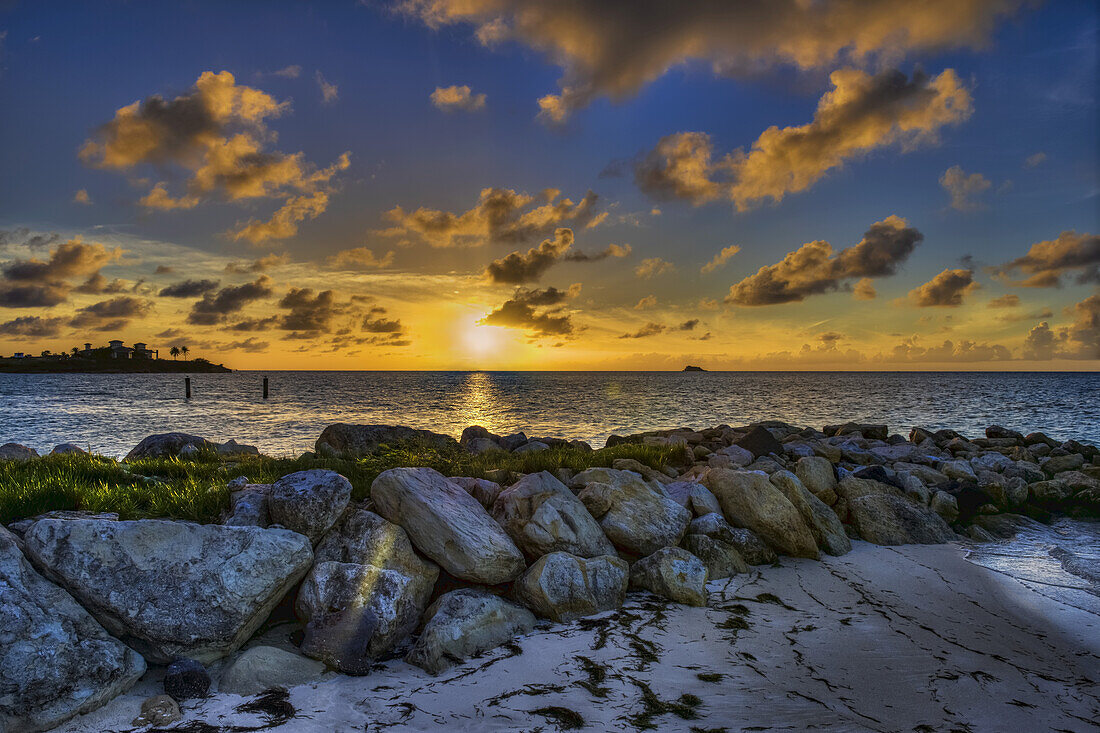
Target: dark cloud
96, 284
540, 312
251, 345
649, 329
37, 283
214, 307
33, 296
188, 288
32, 326
1048, 262
831, 337
1005, 301
255, 324
110, 315
688, 325
24, 237
310, 312
164, 270
263, 264
815, 268
948, 289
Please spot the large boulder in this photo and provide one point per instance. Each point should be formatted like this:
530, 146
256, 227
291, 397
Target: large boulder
354, 441
309, 502
482, 489
672, 573
263, 667
167, 445
391, 599
760, 442
563, 587
720, 558
464, 623
171, 589
542, 515
750, 500
248, 504
817, 475
890, 519
693, 496
637, 516
364, 538
823, 522
447, 524
751, 548
56, 661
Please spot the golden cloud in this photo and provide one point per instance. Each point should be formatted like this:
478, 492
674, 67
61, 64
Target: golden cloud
948, 288
452, 98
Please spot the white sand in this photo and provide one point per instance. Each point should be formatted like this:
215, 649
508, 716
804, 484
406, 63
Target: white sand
882, 639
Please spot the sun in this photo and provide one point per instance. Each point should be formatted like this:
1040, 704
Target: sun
481, 340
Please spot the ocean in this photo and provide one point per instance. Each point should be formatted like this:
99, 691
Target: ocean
110, 413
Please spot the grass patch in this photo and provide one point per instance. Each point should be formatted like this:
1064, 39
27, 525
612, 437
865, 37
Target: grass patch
194, 488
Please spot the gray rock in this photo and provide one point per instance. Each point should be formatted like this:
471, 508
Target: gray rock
476, 432
233, 448
362, 537
817, 475
672, 573
1053, 491
309, 502
65, 449
926, 474
263, 667
482, 445
186, 679
960, 470
1056, 464
541, 516
913, 488
171, 589
464, 623
356, 441
563, 587
56, 661
636, 515
823, 522
890, 519
733, 455
159, 711
16, 452
249, 505
945, 505
646, 472
484, 490
721, 559
167, 445
532, 446
751, 548
992, 462
760, 442
513, 441
447, 524
750, 500
693, 496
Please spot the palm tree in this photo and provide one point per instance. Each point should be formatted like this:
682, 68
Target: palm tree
174, 351
75, 350
185, 351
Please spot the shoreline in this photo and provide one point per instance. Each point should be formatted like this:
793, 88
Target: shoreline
879, 639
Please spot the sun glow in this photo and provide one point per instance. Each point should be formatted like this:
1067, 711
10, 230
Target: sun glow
480, 340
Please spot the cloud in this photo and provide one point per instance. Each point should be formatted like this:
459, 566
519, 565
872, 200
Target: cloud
359, 258
652, 267
37, 283
948, 289
188, 289
216, 134
860, 114
815, 268
164, 270
615, 49
263, 264
1035, 159
97, 284
963, 188
1081, 340
288, 72
949, 351
649, 329
82, 197
500, 216
864, 289
688, 325
830, 337
540, 312
251, 345
32, 326
455, 97
110, 315
310, 312
214, 307
1005, 301
1047, 262
720, 259
30, 240
647, 301
518, 268
329, 92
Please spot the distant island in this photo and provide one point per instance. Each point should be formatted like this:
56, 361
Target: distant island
690, 368
115, 358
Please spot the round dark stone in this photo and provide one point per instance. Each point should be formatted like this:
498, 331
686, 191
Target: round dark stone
186, 679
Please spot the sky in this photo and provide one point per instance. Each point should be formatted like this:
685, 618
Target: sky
584, 184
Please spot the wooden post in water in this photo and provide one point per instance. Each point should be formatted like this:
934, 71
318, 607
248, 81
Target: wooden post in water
187, 386
265, 388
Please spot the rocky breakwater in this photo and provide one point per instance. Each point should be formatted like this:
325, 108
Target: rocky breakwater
437, 569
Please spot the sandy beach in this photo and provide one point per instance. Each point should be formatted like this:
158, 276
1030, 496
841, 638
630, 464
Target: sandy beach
882, 639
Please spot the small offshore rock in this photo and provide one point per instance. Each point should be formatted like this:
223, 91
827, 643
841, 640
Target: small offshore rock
263, 667
672, 573
186, 679
464, 623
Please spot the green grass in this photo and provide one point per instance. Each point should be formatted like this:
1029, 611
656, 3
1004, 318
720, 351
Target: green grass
195, 488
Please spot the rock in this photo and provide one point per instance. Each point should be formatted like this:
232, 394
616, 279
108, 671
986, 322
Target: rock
355, 441
532, 446
309, 502
447, 524
760, 442
563, 587
249, 506
1053, 491
190, 450
482, 445
392, 598
263, 667
541, 516
171, 589
888, 519
817, 475
476, 432
913, 488
364, 538
693, 496
464, 623
342, 639
945, 505
67, 449
1009, 492
233, 448
824, 525
16, 452
1039, 438
672, 573
167, 445
751, 548
56, 661
721, 559
484, 490
638, 518
927, 474
991, 462
960, 470
867, 430
996, 431
159, 711
733, 455
186, 679
1057, 464
513, 441
749, 500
